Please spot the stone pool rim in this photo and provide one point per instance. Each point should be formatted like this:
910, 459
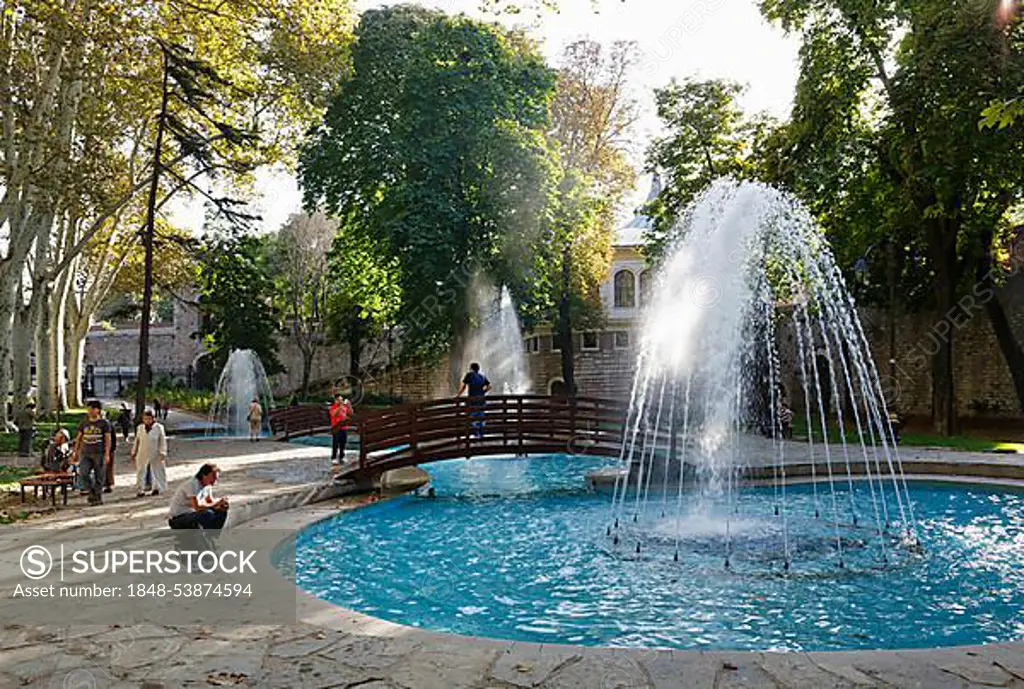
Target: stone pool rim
1005, 658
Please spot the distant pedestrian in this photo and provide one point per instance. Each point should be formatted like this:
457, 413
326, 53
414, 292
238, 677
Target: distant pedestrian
157, 407
477, 385
255, 419
26, 423
124, 420
167, 409
93, 450
341, 420
109, 484
149, 453
824, 366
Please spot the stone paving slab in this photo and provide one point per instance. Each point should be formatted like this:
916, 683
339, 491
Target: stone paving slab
335, 648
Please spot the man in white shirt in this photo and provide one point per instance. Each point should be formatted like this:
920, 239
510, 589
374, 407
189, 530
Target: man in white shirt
193, 507
149, 452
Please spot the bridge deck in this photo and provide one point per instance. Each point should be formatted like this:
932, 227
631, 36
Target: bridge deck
436, 430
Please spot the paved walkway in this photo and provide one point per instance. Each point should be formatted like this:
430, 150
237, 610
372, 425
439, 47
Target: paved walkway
333, 648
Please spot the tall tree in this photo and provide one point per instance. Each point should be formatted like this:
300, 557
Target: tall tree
299, 262
236, 296
79, 83
890, 93
364, 292
436, 141
592, 116
708, 136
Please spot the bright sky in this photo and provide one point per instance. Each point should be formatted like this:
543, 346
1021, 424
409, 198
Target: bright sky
699, 38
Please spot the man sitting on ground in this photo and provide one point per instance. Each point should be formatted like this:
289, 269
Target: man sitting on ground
193, 505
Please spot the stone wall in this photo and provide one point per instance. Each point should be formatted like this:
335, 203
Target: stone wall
984, 386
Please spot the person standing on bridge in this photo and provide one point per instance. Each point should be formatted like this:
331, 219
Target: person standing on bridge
341, 419
477, 385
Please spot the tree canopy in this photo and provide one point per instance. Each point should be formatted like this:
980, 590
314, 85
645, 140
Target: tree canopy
885, 145
435, 143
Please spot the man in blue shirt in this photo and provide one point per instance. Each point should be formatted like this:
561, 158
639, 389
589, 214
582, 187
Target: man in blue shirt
478, 386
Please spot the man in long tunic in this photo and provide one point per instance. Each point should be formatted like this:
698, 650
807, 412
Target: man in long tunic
149, 452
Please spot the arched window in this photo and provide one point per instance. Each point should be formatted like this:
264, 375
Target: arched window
645, 288
625, 289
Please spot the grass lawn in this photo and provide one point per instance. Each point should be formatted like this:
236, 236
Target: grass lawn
956, 442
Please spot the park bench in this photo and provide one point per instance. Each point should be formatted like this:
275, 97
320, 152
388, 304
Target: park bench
49, 481
303, 419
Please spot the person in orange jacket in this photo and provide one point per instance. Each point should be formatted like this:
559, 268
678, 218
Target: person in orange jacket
341, 420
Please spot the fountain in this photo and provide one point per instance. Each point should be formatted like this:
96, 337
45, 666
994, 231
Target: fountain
709, 406
242, 380
496, 340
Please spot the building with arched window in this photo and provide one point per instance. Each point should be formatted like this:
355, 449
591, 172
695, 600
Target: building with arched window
604, 359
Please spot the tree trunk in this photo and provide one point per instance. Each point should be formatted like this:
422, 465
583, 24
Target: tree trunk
7, 307
147, 242
355, 352
564, 329
22, 340
46, 338
75, 350
307, 370
944, 258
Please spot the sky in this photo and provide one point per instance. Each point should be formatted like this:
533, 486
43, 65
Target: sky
692, 38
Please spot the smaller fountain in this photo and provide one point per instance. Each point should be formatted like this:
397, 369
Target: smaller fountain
496, 341
242, 380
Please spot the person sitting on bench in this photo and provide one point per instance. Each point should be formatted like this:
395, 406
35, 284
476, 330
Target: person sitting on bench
57, 455
193, 505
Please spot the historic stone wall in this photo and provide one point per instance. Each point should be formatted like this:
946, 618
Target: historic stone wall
984, 386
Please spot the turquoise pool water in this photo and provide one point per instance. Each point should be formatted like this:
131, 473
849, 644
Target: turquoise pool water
517, 549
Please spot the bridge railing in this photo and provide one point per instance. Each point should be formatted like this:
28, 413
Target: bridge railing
421, 432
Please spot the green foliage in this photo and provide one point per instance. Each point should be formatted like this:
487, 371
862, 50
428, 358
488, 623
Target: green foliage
364, 293
435, 142
708, 137
1002, 114
884, 142
235, 300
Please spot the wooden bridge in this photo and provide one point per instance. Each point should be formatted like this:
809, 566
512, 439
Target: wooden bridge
424, 432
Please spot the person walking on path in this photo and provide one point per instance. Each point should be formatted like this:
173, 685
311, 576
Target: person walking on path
341, 420
109, 484
193, 505
26, 423
477, 385
124, 420
92, 451
149, 452
157, 407
255, 420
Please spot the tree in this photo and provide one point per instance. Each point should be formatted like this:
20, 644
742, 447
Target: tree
592, 116
236, 300
891, 94
299, 261
436, 142
708, 137
364, 292
79, 83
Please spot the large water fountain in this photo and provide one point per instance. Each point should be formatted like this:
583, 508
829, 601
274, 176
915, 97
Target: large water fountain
709, 409
242, 380
495, 341
720, 533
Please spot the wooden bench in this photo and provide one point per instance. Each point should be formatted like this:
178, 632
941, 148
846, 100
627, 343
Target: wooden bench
51, 481
304, 419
